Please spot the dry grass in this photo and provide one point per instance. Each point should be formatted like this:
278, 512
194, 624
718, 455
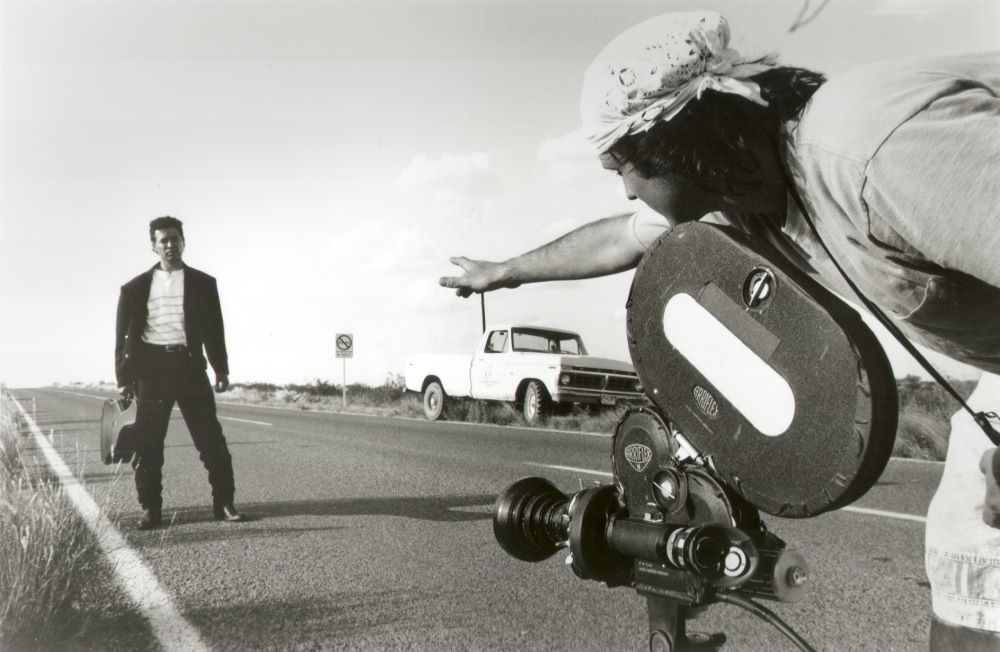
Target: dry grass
44, 547
360, 399
921, 436
392, 400
922, 432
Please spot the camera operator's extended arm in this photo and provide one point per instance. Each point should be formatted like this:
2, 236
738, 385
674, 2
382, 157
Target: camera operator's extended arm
598, 248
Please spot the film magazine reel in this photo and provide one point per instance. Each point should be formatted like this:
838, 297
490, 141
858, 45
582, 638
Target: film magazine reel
771, 377
769, 395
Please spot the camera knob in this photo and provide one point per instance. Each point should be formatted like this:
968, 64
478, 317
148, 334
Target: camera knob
669, 490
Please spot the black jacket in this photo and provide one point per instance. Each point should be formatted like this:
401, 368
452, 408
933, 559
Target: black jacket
202, 323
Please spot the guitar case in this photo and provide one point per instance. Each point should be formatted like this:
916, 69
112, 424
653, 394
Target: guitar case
776, 382
117, 430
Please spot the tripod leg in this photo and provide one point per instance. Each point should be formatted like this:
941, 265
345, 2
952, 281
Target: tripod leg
668, 629
663, 618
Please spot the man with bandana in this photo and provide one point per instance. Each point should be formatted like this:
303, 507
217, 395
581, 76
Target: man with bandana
895, 163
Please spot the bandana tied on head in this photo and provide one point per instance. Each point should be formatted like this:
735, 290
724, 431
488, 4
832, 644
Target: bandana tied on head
650, 72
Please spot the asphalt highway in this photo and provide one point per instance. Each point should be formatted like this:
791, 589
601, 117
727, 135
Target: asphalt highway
375, 533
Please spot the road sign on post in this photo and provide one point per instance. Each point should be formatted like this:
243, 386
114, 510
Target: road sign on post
345, 345
345, 350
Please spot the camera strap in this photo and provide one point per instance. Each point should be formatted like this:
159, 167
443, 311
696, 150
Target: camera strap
981, 418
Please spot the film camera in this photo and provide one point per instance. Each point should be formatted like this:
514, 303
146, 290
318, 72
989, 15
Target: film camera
768, 394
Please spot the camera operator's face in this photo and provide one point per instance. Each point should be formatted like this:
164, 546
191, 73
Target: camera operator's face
673, 196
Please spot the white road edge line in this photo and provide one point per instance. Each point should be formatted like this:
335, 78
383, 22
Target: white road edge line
879, 512
170, 628
571, 469
259, 423
860, 510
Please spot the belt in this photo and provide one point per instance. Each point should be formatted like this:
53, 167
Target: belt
168, 348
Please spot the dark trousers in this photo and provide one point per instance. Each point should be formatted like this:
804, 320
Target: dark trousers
946, 637
169, 378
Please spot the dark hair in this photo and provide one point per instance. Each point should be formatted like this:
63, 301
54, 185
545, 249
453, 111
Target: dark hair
165, 222
710, 140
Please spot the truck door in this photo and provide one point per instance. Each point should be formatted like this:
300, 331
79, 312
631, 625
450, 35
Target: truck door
489, 366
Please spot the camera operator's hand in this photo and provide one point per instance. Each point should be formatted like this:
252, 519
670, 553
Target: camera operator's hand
127, 392
480, 276
599, 248
221, 383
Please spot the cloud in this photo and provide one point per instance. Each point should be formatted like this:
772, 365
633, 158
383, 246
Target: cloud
571, 146
573, 185
568, 157
452, 189
449, 176
423, 296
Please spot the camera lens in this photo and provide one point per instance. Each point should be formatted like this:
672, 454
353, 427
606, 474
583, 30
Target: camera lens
530, 520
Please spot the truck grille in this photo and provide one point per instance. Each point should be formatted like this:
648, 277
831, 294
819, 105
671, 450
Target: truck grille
589, 381
619, 384
599, 382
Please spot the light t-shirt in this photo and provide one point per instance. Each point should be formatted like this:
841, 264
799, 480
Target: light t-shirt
165, 322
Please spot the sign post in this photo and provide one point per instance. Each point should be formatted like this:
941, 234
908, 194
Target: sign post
345, 349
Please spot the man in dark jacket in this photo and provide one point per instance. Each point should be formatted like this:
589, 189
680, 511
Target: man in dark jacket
168, 318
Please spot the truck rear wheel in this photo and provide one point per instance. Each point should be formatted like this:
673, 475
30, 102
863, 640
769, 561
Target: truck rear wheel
536, 404
433, 401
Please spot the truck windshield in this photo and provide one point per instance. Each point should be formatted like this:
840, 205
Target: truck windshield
547, 342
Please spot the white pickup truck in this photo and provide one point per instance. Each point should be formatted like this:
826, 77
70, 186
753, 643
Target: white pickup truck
537, 368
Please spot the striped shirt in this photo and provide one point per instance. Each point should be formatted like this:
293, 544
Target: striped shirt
165, 324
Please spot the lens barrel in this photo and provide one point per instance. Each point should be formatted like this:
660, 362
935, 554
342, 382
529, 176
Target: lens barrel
723, 555
531, 520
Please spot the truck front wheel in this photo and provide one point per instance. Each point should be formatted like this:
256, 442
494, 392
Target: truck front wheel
433, 401
536, 403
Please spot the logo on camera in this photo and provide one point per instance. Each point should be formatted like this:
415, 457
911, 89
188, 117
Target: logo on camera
758, 288
638, 456
705, 401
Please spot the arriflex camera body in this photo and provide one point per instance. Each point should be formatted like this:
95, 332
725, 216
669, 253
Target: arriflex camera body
768, 394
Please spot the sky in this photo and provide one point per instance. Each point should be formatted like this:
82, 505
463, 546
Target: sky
327, 158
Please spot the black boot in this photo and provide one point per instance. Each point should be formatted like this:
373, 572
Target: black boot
150, 519
227, 512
